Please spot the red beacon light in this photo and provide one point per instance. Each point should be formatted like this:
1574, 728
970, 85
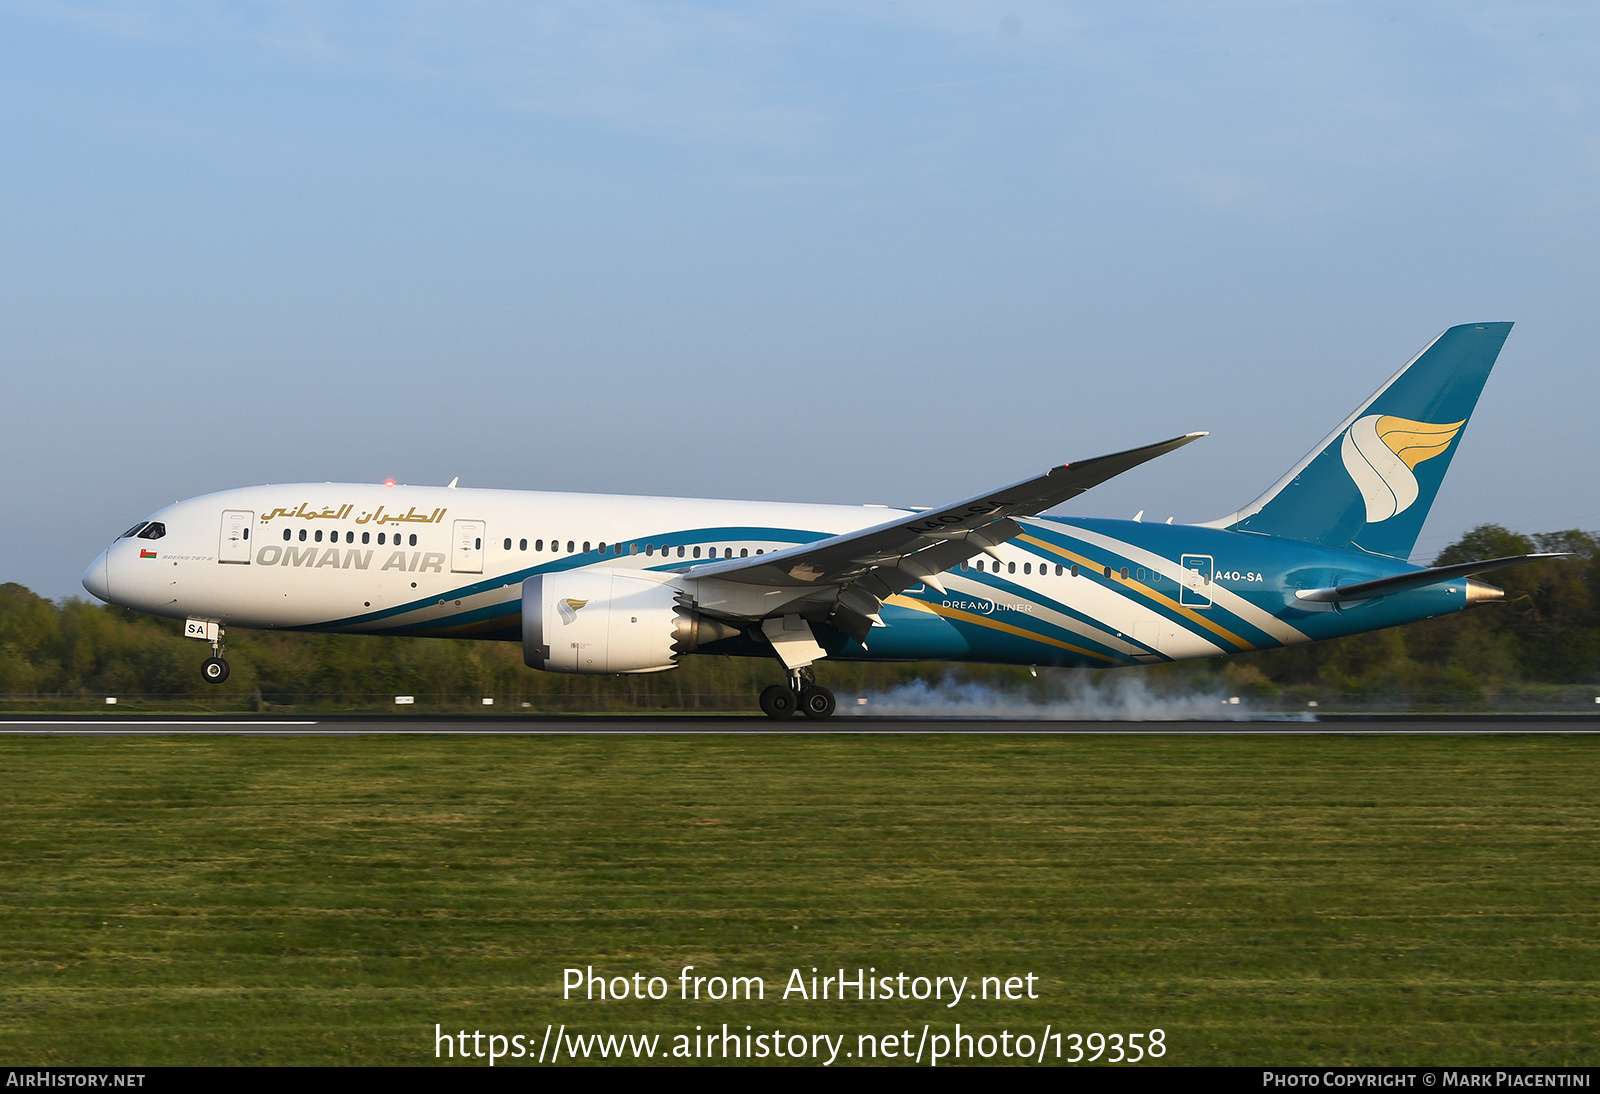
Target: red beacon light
388, 482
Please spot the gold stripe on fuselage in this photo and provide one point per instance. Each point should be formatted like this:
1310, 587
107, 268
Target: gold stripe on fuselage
1160, 598
901, 601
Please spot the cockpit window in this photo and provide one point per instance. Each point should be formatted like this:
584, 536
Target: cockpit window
154, 530
131, 532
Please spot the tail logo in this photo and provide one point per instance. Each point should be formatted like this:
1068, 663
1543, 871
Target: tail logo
1381, 453
568, 609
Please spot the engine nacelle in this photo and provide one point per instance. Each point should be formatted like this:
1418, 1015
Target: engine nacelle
610, 621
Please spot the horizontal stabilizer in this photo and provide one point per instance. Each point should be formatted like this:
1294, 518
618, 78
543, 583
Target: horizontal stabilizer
1384, 586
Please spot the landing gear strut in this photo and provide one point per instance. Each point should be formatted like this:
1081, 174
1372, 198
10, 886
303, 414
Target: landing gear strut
802, 693
214, 668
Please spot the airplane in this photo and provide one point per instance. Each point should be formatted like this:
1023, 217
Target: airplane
604, 584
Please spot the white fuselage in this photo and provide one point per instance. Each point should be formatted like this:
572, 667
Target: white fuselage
333, 568
434, 561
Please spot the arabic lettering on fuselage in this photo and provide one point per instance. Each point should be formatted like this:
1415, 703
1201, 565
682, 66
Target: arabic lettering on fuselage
304, 512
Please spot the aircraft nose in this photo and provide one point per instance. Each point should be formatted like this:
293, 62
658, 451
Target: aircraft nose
96, 578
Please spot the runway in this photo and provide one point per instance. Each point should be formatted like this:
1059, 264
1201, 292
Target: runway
740, 725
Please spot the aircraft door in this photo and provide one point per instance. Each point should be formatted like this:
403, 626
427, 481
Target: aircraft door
235, 545
1195, 586
466, 547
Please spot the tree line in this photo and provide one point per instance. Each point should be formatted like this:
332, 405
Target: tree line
1546, 632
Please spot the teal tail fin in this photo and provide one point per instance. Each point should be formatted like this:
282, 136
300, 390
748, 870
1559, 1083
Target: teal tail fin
1370, 484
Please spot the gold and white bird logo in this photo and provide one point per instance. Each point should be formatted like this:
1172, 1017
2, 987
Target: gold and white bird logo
568, 609
1381, 451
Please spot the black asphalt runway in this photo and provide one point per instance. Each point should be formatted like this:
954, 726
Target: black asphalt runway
682, 725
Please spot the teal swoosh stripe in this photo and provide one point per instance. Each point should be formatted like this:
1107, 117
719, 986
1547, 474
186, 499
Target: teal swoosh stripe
998, 582
1250, 632
684, 538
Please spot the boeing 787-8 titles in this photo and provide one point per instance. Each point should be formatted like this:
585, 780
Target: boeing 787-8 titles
592, 583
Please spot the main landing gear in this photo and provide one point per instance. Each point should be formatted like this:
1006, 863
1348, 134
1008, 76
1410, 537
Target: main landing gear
802, 693
214, 669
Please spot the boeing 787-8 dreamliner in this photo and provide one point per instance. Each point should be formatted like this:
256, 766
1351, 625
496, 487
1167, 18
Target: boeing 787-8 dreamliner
593, 583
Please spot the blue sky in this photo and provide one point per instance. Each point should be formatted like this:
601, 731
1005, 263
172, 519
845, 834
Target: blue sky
865, 252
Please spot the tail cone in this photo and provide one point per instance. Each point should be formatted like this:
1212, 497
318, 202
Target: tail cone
1481, 592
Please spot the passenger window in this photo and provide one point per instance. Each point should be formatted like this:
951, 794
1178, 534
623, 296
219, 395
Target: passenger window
1058, 569
477, 544
302, 535
317, 538
697, 552
131, 532
963, 566
1074, 569
286, 535
522, 545
1124, 573
1027, 567
413, 539
650, 550
508, 543
602, 548
759, 551
366, 537
380, 539
538, 545
1011, 567
633, 548
744, 552
1105, 571
154, 530
585, 546
569, 547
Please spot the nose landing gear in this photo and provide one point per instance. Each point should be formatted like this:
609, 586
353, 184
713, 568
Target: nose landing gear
802, 693
214, 669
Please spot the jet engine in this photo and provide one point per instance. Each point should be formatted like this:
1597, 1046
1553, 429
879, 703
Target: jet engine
610, 621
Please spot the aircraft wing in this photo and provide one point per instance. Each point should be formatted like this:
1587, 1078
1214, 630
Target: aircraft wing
865, 567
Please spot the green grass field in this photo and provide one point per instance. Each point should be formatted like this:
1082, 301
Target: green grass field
1262, 900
